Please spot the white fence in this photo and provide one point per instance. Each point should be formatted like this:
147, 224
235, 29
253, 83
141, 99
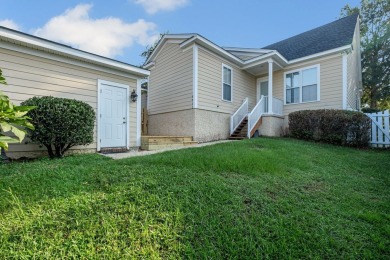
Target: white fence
380, 133
239, 115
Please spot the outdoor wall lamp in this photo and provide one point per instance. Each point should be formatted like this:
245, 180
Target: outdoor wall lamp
133, 96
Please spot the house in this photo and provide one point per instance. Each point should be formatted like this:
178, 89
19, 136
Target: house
37, 67
197, 88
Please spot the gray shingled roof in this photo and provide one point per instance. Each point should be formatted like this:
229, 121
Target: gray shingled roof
330, 36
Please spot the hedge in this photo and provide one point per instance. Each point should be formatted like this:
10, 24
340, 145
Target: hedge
60, 123
340, 127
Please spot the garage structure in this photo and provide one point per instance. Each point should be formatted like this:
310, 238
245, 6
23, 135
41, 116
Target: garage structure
35, 66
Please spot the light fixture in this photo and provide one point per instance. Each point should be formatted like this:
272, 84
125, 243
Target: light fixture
133, 96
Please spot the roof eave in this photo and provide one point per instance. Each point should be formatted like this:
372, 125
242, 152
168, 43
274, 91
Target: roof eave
247, 50
321, 54
266, 57
165, 38
47, 45
149, 65
213, 47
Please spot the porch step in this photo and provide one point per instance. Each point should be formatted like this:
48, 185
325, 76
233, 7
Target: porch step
237, 137
241, 131
152, 143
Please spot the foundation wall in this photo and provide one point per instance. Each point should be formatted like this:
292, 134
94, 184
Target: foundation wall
178, 123
272, 126
211, 126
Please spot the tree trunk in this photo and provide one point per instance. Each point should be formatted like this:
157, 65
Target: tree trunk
49, 150
372, 103
59, 152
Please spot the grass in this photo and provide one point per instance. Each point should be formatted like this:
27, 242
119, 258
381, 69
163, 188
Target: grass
259, 198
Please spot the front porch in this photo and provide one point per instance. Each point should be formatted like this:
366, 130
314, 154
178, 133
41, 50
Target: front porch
262, 119
266, 117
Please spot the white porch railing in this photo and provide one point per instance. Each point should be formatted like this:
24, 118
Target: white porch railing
256, 113
380, 129
277, 106
239, 115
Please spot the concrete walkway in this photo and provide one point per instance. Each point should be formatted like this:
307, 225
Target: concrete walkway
135, 153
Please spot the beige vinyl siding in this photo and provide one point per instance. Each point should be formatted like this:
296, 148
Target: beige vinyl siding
28, 76
133, 118
210, 84
353, 70
330, 85
171, 80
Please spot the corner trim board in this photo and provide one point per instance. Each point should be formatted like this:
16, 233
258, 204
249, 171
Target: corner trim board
345, 79
138, 135
195, 77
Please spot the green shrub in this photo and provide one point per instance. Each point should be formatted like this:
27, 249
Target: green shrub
339, 127
60, 123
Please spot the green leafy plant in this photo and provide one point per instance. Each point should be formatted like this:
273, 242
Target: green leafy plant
13, 119
333, 126
60, 123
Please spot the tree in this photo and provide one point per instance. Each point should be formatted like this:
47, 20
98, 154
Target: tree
375, 43
13, 120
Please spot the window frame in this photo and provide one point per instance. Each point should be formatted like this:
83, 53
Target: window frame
300, 70
231, 83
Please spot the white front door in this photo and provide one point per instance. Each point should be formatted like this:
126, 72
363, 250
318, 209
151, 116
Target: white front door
113, 109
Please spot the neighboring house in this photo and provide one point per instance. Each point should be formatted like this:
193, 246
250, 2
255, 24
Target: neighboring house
37, 67
197, 88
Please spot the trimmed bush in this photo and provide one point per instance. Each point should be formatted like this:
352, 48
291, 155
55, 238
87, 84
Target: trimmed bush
341, 127
60, 123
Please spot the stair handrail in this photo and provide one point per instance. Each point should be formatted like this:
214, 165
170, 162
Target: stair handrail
239, 115
256, 114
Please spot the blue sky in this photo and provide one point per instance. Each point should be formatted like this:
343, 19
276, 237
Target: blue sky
121, 29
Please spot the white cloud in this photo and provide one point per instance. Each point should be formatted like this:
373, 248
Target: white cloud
9, 24
107, 36
153, 6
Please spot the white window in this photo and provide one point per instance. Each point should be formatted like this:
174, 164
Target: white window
302, 85
226, 83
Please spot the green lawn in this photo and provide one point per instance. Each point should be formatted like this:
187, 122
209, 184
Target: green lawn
259, 198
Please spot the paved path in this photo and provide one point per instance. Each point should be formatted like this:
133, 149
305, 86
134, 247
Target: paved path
135, 153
